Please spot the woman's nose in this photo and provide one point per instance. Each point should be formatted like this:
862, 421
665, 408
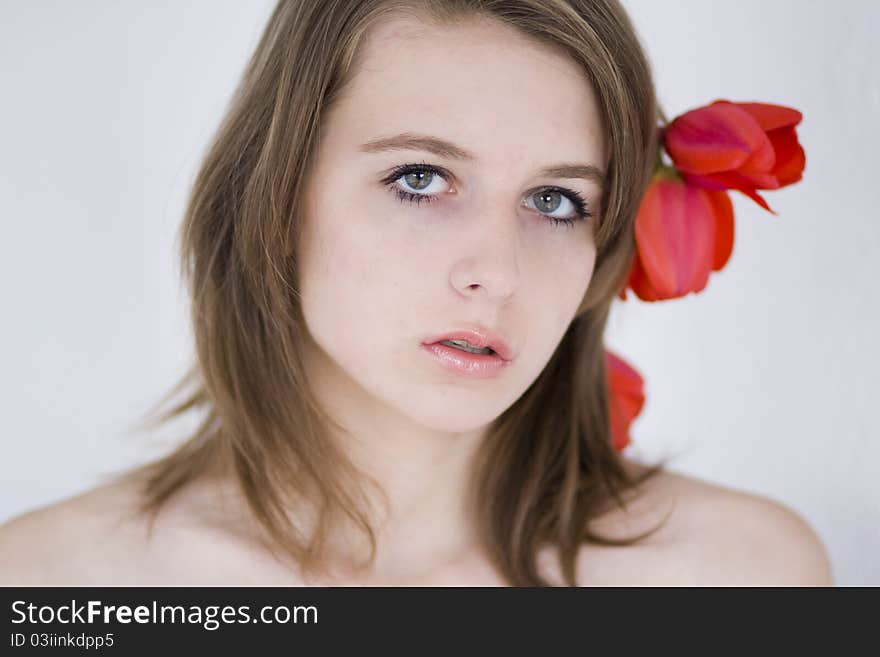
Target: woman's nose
488, 262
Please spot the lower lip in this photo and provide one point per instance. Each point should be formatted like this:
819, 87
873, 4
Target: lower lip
478, 366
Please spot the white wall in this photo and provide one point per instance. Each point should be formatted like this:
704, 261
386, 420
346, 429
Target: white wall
763, 382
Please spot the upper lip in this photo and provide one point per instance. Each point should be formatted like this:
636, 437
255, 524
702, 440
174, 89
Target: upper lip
478, 336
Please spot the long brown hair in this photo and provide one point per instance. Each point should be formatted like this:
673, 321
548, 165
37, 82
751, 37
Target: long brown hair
547, 465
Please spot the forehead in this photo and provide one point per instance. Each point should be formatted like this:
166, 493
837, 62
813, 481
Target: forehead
480, 84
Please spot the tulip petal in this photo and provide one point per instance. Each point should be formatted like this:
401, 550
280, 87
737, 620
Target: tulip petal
772, 117
718, 137
750, 179
675, 237
711, 181
728, 181
626, 398
734, 180
757, 198
724, 228
790, 156
640, 284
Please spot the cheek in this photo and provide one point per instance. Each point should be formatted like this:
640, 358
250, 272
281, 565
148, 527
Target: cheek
555, 292
579, 270
355, 275
564, 277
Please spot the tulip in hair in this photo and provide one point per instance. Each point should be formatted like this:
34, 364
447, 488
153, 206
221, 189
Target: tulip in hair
684, 227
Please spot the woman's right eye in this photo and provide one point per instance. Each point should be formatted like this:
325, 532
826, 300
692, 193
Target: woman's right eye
416, 183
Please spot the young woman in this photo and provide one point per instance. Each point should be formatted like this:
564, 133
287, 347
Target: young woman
402, 248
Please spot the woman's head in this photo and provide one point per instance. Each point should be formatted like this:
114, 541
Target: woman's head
310, 251
479, 236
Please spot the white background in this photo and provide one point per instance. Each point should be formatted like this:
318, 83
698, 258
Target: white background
763, 382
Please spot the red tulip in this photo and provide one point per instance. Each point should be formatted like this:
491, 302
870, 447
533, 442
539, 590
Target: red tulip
683, 232
625, 398
742, 146
684, 227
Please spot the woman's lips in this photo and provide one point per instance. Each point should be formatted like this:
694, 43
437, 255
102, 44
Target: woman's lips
479, 366
477, 336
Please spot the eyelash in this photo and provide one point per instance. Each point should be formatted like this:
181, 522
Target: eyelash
390, 181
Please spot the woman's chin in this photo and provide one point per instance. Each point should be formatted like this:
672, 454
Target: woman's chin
454, 416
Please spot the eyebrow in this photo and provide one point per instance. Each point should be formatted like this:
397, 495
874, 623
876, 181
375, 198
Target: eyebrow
446, 149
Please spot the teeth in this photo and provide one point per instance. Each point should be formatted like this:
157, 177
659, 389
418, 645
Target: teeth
466, 346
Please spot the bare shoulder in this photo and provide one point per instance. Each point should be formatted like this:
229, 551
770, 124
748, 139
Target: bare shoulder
101, 538
63, 543
709, 535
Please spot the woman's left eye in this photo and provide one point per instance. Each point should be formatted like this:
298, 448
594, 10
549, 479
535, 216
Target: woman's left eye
552, 199
417, 183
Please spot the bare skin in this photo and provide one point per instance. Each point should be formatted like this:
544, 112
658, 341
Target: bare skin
713, 536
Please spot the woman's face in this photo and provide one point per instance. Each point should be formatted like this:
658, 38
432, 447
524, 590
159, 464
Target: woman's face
391, 258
